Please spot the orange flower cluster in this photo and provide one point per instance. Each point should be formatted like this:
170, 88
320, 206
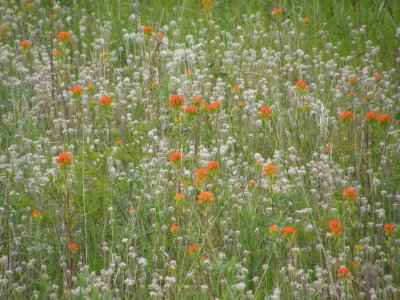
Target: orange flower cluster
265, 112
64, 36
205, 197
176, 101
347, 116
289, 232
350, 194
270, 171
176, 157
105, 102
335, 227
65, 160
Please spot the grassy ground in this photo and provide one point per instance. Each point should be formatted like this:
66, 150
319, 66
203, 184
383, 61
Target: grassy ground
280, 182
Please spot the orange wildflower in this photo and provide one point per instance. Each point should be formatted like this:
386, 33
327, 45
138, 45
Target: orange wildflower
25, 45
176, 157
174, 228
378, 77
347, 116
197, 101
214, 107
148, 30
252, 183
119, 142
64, 36
191, 110
176, 101
193, 249
289, 232
301, 86
270, 171
343, 273
73, 247
64, 160
236, 89
384, 119
205, 197
390, 229
76, 91
36, 214
179, 197
350, 194
160, 36
273, 229
371, 116
335, 227
306, 20
213, 167
265, 112
352, 80
277, 12
105, 102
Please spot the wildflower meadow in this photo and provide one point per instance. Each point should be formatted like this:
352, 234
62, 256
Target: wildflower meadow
198, 149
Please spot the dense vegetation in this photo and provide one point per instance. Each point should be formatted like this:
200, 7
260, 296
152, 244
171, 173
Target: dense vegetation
187, 149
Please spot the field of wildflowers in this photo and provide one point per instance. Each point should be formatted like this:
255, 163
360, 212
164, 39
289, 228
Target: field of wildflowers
198, 149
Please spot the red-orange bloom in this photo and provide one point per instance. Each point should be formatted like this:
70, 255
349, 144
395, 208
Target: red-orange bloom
350, 194
351, 94
277, 12
73, 247
289, 232
335, 227
36, 213
64, 36
252, 183
384, 119
353, 80
205, 197
214, 107
197, 101
90, 87
64, 160
76, 91
148, 30
301, 86
343, 272
213, 166
378, 77
236, 89
390, 229
176, 101
207, 4
179, 197
176, 157
191, 110
105, 102
355, 263
306, 20
347, 116
265, 112
57, 54
273, 229
174, 228
202, 176
193, 249
270, 171
25, 45
371, 116
368, 97
160, 36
